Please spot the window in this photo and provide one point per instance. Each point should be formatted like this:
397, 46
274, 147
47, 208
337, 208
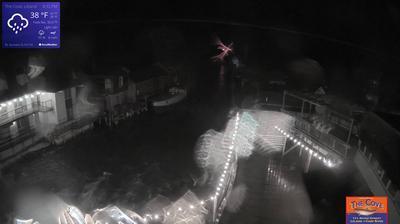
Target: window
67, 93
108, 85
120, 81
69, 108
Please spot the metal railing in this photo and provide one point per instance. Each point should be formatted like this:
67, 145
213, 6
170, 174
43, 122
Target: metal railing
10, 141
25, 110
71, 125
333, 143
343, 148
392, 190
219, 205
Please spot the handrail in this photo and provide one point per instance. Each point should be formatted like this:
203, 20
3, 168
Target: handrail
222, 201
391, 189
22, 111
328, 140
5, 143
71, 125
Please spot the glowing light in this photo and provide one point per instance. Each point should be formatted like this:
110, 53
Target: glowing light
202, 202
156, 216
179, 209
191, 206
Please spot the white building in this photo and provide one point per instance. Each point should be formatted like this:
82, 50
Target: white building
33, 120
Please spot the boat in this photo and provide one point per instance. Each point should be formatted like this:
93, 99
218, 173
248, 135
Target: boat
172, 97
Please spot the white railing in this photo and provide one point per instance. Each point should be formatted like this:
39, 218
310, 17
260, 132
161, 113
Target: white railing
391, 189
25, 110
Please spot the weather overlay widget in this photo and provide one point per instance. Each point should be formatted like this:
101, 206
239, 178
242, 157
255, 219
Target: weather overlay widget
31, 24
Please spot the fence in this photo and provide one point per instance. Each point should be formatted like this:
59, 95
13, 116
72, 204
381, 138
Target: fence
219, 205
327, 140
25, 110
71, 126
392, 190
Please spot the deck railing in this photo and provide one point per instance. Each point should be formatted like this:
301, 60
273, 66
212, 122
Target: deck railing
10, 141
392, 190
333, 143
25, 110
343, 148
72, 125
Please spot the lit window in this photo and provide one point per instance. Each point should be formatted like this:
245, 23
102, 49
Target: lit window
107, 84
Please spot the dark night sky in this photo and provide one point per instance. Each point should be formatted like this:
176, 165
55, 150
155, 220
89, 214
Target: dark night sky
371, 24
352, 40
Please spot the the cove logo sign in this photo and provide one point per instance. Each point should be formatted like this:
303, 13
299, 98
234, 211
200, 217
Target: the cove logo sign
366, 210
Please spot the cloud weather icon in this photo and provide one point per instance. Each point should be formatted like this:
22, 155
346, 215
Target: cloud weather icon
17, 23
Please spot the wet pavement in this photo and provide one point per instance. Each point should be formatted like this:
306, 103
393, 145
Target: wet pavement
278, 191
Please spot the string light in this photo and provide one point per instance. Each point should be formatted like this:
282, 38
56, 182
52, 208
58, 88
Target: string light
313, 153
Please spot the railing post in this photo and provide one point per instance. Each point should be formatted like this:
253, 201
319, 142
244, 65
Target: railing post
350, 131
308, 163
283, 99
381, 176
388, 184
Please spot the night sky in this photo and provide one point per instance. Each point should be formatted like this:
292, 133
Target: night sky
354, 42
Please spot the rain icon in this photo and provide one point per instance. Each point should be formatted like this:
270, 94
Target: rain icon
17, 23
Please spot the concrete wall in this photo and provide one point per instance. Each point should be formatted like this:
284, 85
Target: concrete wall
60, 105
